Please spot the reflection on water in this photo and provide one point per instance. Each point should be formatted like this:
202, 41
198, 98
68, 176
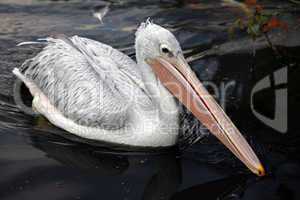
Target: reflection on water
36, 162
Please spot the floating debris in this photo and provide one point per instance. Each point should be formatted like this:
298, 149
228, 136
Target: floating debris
100, 12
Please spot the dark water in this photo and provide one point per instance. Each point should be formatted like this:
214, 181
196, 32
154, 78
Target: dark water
37, 163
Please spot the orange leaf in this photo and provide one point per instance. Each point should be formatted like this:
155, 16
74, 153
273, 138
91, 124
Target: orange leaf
273, 23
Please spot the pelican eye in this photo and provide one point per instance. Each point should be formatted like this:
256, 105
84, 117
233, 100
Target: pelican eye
165, 50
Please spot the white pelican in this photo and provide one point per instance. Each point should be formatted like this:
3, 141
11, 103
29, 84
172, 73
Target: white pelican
94, 91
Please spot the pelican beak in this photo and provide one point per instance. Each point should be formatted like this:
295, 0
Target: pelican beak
177, 76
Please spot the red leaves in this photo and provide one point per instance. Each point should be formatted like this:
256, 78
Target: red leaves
258, 22
274, 23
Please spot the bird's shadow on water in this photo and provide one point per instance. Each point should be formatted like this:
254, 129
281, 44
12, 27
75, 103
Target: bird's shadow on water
157, 172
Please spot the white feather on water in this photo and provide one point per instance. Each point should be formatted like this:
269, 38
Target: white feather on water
99, 14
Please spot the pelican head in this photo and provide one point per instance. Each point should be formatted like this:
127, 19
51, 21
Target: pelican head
153, 41
158, 48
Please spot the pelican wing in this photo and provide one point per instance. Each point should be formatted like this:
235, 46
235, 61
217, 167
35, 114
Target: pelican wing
85, 80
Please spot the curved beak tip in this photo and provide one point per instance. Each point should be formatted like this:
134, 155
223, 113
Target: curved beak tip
261, 171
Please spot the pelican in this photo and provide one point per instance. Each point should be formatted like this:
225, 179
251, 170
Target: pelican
96, 92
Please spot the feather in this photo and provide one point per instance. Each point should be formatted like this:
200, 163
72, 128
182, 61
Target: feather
84, 79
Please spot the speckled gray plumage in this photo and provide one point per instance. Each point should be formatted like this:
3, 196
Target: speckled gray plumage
79, 75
